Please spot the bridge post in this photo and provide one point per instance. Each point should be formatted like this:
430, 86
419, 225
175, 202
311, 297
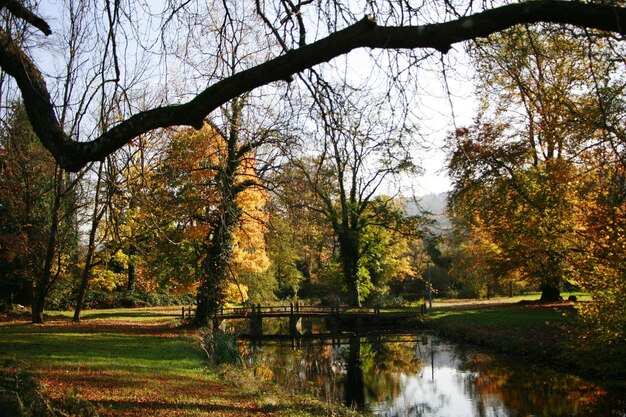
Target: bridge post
256, 321
295, 321
332, 321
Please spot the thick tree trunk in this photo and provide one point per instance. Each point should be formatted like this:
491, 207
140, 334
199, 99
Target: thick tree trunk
37, 310
212, 289
349, 241
351, 272
550, 293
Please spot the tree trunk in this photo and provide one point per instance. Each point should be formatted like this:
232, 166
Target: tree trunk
42, 287
550, 293
91, 247
218, 242
349, 252
214, 273
132, 278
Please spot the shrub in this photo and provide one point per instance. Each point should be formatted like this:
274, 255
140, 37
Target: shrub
129, 299
221, 348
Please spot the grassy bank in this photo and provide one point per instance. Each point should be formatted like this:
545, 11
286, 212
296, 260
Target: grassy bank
543, 333
140, 363
546, 333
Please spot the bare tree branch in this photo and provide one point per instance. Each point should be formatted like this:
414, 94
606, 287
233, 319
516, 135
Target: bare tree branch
365, 33
17, 9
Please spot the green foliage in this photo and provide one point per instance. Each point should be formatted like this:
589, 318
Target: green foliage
260, 287
387, 252
63, 298
26, 193
284, 259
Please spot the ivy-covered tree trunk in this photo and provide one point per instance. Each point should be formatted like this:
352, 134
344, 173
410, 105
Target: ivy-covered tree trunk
214, 272
218, 242
349, 242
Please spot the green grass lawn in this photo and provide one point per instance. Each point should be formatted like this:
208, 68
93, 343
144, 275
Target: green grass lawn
138, 362
530, 296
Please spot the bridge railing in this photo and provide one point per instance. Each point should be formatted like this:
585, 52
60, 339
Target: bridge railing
293, 308
276, 310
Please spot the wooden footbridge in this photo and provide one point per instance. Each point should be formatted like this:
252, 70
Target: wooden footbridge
334, 316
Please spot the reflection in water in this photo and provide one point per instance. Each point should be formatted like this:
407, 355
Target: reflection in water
421, 375
354, 386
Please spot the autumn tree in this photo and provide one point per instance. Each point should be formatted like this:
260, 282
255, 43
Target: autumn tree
517, 175
301, 244
213, 228
600, 267
360, 146
39, 206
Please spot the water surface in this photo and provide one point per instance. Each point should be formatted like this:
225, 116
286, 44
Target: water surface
423, 375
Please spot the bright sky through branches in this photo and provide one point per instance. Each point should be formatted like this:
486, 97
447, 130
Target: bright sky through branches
436, 112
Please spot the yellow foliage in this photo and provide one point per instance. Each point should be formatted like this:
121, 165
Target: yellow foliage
121, 258
63, 266
249, 251
104, 279
200, 153
236, 294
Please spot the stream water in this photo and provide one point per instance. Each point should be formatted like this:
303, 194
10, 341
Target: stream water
423, 375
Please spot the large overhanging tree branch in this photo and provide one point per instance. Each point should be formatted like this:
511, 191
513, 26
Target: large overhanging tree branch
73, 155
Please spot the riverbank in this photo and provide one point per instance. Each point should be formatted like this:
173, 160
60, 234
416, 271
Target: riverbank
541, 333
141, 362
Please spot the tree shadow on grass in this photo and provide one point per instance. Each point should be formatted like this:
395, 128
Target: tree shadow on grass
149, 408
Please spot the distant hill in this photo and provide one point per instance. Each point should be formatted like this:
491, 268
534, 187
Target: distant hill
435, 205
